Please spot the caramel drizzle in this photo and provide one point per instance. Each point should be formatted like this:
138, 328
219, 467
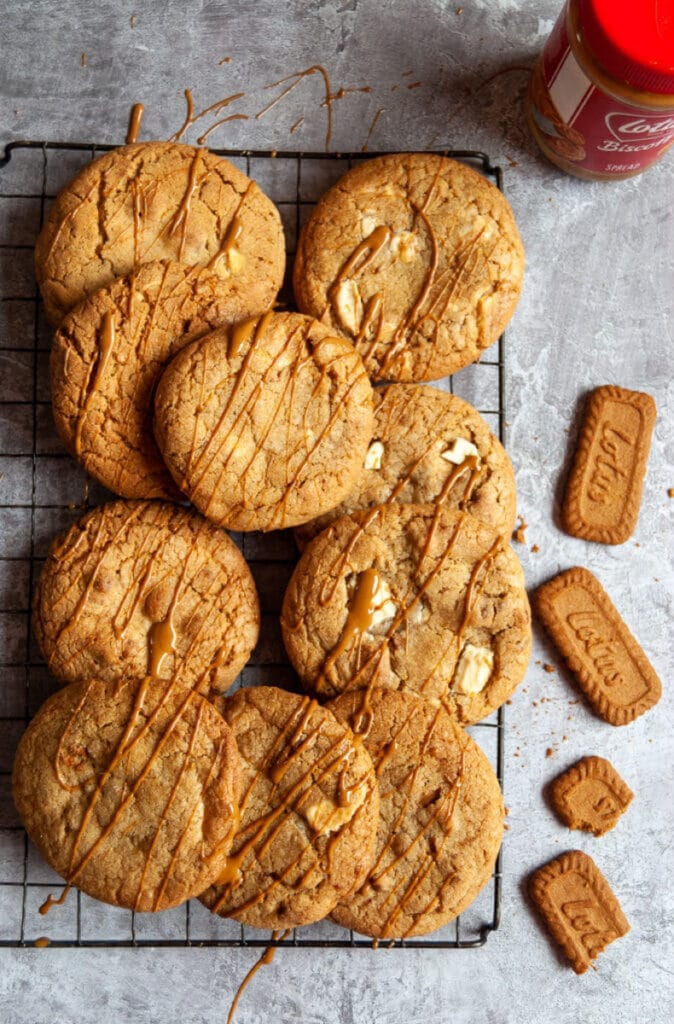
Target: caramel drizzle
107, 341
223, 120
191, 118
266, 958
178, 222
295, 78
232, 237
359, 618
373, 125
135, 118
52, 902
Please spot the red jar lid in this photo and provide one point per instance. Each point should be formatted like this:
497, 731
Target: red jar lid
633, 40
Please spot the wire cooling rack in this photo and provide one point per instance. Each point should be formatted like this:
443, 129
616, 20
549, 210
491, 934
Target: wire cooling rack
42, 490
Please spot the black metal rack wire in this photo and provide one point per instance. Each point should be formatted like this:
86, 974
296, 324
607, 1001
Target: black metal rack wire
42, 490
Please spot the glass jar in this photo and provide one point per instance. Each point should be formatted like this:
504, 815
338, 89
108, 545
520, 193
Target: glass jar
600, 102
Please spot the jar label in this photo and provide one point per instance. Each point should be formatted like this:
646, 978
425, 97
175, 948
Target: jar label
584, 125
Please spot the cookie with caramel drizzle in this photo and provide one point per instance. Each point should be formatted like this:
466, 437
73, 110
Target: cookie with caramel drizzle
413, 597
416, 259
130, 790
429, 446
440, 821
309, 812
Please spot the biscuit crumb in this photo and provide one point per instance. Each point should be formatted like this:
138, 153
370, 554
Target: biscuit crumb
83, 60
549, 752
458, 11
506, 826
547, 667
132, 21
535, 548
670, 492
519, 532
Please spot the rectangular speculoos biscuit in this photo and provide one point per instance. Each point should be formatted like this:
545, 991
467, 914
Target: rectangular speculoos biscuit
579, 907
610, 666
603, 493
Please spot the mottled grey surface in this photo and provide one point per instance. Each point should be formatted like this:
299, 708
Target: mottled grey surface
596, 308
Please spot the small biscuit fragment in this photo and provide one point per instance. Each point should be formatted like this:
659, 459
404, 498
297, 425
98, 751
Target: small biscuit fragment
579, 907
603, 493
590, 795
612, 670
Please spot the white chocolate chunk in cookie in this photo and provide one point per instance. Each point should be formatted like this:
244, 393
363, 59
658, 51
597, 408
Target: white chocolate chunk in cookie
383, 606
459, 450
474, 669
236, 260
404, 245
349, 305
374, 455
368, 224
325, 817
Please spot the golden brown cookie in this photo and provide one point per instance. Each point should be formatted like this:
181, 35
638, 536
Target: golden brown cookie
129, 790
611, 668
429, 446
413, 597
590, 795
578, 906
309, 812
146, 587
603, 494
108, 354
440, 820
155, 201
266, 424
414, 257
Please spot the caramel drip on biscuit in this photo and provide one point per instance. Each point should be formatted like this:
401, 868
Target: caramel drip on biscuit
359, 618
234, 231
107, 341
135, 118
179, 220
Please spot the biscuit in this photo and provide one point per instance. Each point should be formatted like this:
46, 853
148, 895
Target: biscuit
129, 790
309, 812
265, 425
136, 588
412, 597
603, 493
608, 663
414, 257
429, 446
440, 822
580, 910
156, 201
590, 795
110, 351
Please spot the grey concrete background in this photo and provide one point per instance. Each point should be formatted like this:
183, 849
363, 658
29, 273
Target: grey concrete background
596, 308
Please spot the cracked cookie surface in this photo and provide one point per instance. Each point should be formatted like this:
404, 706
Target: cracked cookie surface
137, 588
129, 790
440, 817
309, 812
265, 425
429, 446
153, 201
108, 354
412, 597
417, 259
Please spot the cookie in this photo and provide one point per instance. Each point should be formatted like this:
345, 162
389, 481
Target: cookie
440, 821
129, 790
110, 351
137, 588
415, 258
603, 493
265, 425
429, 446
412, 597
609, 665
578, 906
590, 795
309, 812
156, 201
